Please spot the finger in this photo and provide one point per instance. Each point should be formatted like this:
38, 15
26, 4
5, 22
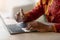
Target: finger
31, 28
21, 12
28, 27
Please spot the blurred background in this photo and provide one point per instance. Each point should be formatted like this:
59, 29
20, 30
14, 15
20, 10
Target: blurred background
9, 8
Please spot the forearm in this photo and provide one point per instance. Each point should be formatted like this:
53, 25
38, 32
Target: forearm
54, 27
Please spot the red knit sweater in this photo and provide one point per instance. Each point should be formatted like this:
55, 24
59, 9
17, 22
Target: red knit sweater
51, 8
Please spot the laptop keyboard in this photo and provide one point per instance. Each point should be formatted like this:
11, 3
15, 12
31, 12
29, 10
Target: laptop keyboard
13, 29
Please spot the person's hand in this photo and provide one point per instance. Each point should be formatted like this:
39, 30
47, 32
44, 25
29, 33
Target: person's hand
38, 26
20, 16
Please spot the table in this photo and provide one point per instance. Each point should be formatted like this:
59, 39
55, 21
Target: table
4, 35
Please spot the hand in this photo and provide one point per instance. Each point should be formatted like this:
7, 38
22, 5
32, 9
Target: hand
38, 26
20, 16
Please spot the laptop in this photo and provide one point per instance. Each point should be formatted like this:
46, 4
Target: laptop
13, 27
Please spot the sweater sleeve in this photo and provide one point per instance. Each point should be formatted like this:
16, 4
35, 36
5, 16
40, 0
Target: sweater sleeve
36, 12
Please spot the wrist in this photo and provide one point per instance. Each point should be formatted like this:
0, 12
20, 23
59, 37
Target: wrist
52, 28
